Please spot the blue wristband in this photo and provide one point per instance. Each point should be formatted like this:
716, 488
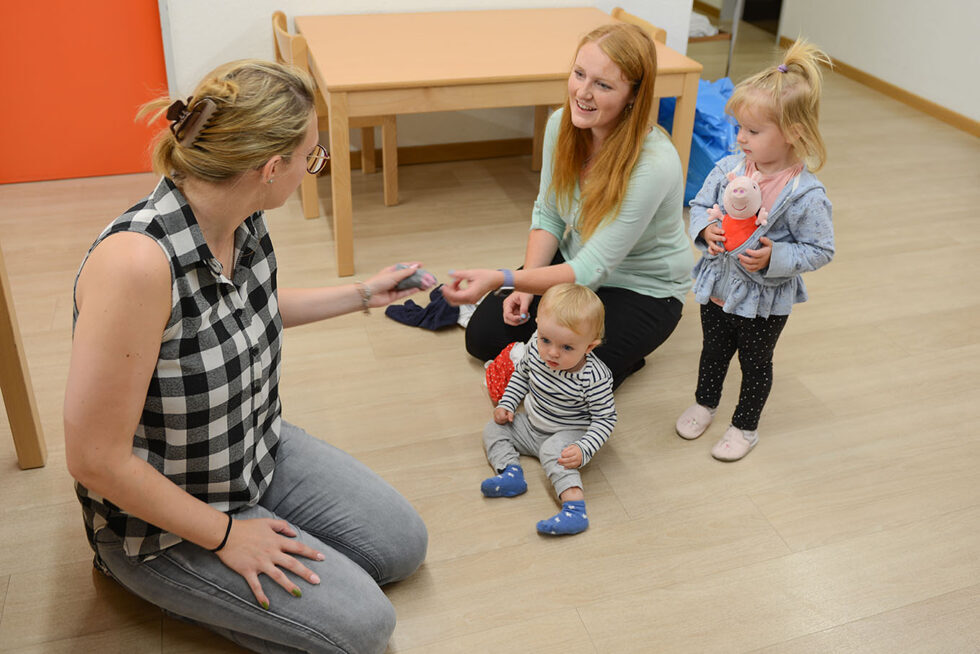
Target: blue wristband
508, 286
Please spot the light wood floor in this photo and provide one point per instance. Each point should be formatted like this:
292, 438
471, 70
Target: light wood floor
853, 527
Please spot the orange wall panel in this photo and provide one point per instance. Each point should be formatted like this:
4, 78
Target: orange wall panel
73, 75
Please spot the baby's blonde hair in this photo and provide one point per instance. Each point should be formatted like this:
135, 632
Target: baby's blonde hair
575, 307
789, 95
263, 109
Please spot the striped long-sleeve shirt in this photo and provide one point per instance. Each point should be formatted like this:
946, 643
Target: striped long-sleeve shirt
558, 399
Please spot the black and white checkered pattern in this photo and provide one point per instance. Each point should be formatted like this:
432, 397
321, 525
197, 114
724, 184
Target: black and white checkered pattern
212, 415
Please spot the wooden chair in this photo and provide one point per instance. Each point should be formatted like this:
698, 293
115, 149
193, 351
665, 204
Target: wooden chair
657, 33
291, 49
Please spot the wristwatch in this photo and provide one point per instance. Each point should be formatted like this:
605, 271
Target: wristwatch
508, 286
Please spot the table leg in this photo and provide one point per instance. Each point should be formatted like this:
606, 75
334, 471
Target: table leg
368, 165
683, 128
389, 153
537, 141
15, 384
340, 183
309, 198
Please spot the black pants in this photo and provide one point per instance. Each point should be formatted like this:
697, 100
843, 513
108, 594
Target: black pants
636, 325
755, 340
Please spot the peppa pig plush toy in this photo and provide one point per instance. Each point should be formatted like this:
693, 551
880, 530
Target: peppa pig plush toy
743, 202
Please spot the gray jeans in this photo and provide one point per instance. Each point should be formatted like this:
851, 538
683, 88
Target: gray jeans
369, 534
504, 444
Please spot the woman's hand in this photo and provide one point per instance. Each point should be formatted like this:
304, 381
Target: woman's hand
502, 416
266, 546
517, 308
570, 457
756, 260
714, 236
382, 284
468, 286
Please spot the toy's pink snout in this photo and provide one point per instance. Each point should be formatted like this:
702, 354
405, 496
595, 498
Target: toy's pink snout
742, 198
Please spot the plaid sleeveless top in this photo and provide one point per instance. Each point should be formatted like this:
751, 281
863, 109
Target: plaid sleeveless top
212, 415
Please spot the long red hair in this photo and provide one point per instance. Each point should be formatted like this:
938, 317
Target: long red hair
633, 51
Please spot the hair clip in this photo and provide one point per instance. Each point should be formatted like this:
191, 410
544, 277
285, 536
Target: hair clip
782, 68
186, 124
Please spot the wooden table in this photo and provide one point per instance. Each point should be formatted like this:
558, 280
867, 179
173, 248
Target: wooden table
383, 64
15, 383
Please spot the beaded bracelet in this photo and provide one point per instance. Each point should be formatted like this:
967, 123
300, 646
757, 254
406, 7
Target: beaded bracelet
365, 292
224, 540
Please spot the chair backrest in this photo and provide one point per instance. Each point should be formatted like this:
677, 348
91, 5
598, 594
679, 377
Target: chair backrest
290, 48
656, 33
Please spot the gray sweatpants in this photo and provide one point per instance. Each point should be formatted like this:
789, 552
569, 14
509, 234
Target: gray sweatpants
505, 443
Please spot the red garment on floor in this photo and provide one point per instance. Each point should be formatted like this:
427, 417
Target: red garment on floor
499, 372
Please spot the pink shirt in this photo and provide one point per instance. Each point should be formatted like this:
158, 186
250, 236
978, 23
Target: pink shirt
772, 185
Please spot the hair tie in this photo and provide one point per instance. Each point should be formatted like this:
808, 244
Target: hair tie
186, 124
782, 68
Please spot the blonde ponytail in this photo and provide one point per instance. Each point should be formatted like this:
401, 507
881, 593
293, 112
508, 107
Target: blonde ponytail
790, 95
262, 109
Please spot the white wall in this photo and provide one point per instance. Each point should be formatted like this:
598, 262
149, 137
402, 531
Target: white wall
201, 35
926, 48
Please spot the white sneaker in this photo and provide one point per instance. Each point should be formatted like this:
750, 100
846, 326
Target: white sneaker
694, 421
734, 444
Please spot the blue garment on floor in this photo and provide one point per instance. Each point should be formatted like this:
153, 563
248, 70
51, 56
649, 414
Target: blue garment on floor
714, 131
436, 315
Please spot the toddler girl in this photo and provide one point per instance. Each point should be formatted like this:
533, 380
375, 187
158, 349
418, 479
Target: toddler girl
746, 294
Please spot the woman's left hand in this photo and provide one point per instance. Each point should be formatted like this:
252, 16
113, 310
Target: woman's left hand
382, 284
517, 308
478, 282
756, 260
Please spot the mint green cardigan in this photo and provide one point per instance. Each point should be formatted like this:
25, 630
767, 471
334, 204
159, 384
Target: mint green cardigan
645, 248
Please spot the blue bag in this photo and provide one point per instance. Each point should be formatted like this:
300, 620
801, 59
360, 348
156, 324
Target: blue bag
714, 132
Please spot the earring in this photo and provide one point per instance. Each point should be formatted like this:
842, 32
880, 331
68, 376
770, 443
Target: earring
628, 108
271, 179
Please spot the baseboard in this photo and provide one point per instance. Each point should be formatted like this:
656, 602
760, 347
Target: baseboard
707, 10
948, 116
720, 36
712, 12
444, 152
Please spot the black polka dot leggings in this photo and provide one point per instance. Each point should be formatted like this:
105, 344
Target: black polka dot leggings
755, 340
